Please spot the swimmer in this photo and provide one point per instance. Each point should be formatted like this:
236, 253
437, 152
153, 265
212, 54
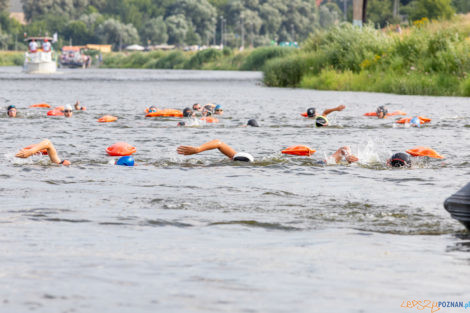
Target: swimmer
187, 112
68, 111
43, 145
321, 120
381, 111
78, 107
399, 159
11, 111
252, 123
152, 109
216, 144
218, 110
197, 107
208, 109
402, 159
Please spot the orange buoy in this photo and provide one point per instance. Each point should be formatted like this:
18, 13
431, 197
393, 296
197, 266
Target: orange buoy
43, 151
388, 114
304, 114
298, 150
209, 119
120, 149
55, 112
396, 113
107, 119
165, 113
40, 105
424, 151
422, 120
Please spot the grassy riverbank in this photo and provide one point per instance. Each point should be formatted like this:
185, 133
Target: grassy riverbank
209, 59
429, 58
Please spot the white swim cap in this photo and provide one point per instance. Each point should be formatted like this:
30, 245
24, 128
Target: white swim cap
243, 157
68, 107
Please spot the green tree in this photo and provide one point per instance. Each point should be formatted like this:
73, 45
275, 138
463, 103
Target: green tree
462, 6
4, 4
177, 28
192, 38
116, 33
379, 12
327, 17
67, 8
155, 31
78, 32
200, 14
432, 9
46, 24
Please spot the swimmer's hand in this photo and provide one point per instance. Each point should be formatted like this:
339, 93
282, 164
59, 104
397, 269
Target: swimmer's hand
24, 153
351, 158
187, 150
341, 107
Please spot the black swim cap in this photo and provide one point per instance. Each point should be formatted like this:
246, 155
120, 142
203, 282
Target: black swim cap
382, 109
321, 121
311, 112
253, 123
187, 112
399, 159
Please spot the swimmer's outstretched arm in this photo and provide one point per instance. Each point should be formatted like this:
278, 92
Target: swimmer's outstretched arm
77, 105
346, 152
338, 108
45, 144
214, 144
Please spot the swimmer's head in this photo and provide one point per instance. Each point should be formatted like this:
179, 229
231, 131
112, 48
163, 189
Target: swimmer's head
399, 159
187, 112
67, 111
321, 121
381, 111
197, 107
311, 112
152, 108
415, 122
243, 157
252, 123
181, 124
11, 111
218, 109
125, 161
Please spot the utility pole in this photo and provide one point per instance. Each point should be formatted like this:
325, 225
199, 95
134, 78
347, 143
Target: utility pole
215, 32
345, 9
222, 31
359, 12
395, 8
292, 32
242, 33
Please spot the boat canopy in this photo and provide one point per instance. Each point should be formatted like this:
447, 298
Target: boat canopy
38, 38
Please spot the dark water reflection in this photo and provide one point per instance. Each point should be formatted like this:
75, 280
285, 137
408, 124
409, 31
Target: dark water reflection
202, 233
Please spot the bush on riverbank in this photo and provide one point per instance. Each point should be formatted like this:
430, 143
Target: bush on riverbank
11, 58
428, 59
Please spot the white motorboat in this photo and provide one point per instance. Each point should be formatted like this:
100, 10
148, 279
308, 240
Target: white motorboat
39, 60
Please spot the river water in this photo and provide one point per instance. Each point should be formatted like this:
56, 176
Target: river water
203, 234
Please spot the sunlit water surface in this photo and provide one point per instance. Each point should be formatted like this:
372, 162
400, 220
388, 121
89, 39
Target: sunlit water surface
201, 233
